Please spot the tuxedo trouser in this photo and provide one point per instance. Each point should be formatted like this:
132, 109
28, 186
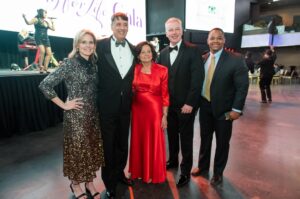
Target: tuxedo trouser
115, 132
265, 89
223, 130
181, 131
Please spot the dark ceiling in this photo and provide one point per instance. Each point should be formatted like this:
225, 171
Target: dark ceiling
269, 4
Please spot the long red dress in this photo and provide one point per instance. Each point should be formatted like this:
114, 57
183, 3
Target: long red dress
147, 158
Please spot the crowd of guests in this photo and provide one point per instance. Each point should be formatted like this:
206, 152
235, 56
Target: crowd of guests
113, 85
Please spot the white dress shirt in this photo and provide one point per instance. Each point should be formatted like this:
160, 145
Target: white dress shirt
122, 56
174, 53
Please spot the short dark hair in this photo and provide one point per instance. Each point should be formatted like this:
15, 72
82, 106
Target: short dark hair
138, 50
119, 15
268, 52
40, 13
248, 54
218, 29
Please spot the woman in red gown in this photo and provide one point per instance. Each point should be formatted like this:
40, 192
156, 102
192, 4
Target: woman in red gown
147, 159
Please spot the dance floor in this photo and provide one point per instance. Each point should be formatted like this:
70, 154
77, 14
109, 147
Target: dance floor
264, 159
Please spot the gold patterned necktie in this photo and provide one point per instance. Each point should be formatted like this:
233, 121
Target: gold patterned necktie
209, 76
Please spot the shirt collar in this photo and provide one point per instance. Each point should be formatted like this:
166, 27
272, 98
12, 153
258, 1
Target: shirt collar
178, 44
82, 60
217, 54
115, 39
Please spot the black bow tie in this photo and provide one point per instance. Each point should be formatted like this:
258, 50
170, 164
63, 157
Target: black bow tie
173, 48
118, 43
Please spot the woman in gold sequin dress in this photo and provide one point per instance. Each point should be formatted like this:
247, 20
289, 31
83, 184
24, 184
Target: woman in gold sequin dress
83, 149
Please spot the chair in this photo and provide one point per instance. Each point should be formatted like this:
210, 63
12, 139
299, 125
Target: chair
290, 77
253, 78
276, 79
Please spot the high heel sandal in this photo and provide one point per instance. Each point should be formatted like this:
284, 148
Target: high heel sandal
46, 70
89, 192
41, 69
77, 197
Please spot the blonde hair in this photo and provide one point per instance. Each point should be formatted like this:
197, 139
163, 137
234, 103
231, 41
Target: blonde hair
173, 19
77, 40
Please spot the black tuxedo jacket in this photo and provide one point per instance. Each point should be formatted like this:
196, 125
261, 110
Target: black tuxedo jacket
229, 86
114, 93
266, 66
184, 75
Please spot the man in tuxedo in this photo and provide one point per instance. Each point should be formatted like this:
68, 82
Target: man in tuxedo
115, 72
225, 87
184, 65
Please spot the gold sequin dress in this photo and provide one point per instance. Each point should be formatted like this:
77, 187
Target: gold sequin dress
83, 148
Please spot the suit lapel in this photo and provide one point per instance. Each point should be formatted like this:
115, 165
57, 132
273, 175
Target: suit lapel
108, 55
205, 57
168, 58
218, 66
175, 65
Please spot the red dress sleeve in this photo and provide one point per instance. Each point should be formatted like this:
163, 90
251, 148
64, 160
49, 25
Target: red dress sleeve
164, 87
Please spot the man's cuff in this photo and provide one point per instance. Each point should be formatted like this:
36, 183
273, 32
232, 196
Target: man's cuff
236, 110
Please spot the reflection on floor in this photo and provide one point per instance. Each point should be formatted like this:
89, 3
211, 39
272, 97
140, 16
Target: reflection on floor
264, 159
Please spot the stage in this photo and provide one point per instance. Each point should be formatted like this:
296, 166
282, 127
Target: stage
23, 108
14, 73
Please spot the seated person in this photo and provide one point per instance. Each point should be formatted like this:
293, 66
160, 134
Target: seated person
24, 38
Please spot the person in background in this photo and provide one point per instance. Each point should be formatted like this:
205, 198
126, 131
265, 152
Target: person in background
147, 158
276, 69
115, 71
184, 82
24, 38
267, 71
155, 43
249, 61
41, 26
225, 87
83, 148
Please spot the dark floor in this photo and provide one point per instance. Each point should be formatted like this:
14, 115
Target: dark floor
264, 161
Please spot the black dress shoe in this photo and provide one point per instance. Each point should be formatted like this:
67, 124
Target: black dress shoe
183, 180
171, 165
199, 172
110, 195
216, 180
126, 181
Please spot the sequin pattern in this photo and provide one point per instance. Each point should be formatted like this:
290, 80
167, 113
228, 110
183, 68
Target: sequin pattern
83, 147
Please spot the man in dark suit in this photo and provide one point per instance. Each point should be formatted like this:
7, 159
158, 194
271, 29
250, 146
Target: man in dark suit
115, 72
267, 71
249, 62
224, 92
184, 64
